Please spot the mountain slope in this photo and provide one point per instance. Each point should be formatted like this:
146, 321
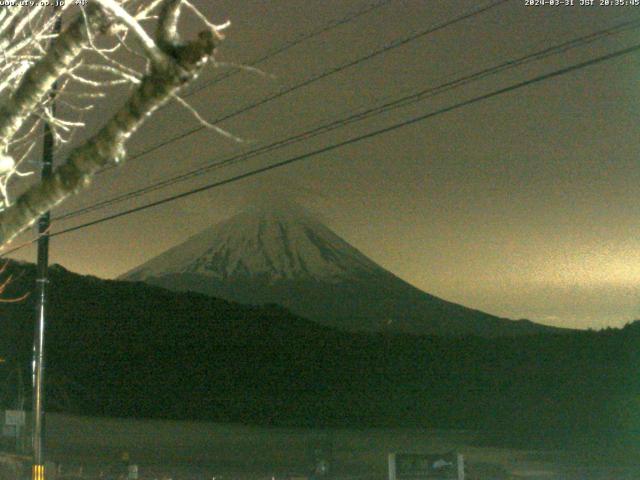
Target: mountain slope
279, 253
274, 243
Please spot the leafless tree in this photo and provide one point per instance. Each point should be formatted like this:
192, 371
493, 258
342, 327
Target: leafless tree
79, 64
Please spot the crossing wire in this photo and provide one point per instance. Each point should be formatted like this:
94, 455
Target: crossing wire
368, 113
327, 73
278, 50
287, 46
556, 73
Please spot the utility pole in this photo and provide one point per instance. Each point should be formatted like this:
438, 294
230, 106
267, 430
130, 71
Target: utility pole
42, 293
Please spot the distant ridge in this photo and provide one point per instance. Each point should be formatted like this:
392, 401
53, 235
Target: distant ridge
277, 252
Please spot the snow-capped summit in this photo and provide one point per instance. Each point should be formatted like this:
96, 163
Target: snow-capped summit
275, 241
277, 252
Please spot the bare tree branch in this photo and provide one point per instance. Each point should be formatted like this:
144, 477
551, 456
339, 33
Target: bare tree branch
149, 46
38, 79
167, 33
180, 64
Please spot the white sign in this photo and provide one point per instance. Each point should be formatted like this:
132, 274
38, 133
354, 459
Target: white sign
417, 466
133, 472
14, 417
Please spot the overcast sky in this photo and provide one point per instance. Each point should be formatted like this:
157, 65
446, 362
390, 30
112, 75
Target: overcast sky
524, 205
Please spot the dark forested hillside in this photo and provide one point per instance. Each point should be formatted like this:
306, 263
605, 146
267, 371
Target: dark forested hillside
129, 349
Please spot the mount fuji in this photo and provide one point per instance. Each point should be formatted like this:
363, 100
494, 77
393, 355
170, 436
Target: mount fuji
278, 253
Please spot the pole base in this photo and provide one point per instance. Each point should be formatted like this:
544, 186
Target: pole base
37, 472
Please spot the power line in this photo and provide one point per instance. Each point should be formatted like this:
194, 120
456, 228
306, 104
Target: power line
395, 44
390, 46
278, 50
368, 113
292, 43
209, 166
353, 140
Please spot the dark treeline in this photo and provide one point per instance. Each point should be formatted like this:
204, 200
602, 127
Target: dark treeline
128, 349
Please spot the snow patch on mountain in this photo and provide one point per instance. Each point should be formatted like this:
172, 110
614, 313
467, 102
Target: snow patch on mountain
277, 252
274, 241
